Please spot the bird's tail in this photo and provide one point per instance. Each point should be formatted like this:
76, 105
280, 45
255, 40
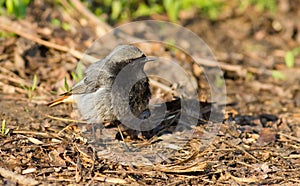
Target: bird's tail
63, 99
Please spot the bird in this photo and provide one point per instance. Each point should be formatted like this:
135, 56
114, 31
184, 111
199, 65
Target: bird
112, 87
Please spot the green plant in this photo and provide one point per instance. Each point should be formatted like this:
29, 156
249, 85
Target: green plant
4, 130
55, 22
30, 89
4, 34
66, 87
249, 76
277, 75
147, 10
58, 23
116, 9
15, 7
78, 75
119, 10
270, 5
172, 8
209, 8
289, 57
26, 109
219, 81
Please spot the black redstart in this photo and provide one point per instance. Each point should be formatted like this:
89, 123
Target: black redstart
93, 95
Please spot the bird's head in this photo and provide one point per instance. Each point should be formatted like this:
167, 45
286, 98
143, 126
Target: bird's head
124, 55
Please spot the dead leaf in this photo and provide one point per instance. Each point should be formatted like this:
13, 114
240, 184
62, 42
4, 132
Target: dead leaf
35, 141
266, 136
56, 159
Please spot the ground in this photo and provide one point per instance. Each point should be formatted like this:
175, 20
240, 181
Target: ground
258, 141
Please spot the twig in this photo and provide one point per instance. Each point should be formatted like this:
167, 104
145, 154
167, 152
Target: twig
17, 89
102, 28
16, 28
65, 128
243, 150
241, 180
141, 172
64, 119
78, 173
20, 179
242, 72
290, 137
16, 79
160, 85
100, 177
12, 77
43, 134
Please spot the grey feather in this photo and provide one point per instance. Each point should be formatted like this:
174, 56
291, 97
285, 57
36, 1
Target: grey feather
93, 94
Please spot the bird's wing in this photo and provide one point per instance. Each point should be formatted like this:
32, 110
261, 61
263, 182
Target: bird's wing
96, 76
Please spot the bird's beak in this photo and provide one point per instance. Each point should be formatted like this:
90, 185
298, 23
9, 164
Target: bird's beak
147, 59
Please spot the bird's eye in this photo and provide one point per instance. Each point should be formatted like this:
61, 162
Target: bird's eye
133, 62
